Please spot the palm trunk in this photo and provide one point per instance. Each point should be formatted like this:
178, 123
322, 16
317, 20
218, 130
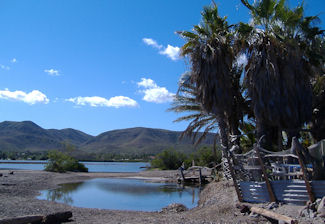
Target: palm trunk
225, 154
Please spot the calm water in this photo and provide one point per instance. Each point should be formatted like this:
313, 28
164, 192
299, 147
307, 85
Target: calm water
122, 194
92, 166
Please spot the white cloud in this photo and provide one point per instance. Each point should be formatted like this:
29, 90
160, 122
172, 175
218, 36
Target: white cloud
170, 51
152, 43
31, 98
96, 101
147, 83
52, 72
154, 93
4, 67
14, 60
241, 60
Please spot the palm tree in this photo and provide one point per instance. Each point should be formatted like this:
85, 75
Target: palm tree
211, 59
185, 102
211, 56
280, 67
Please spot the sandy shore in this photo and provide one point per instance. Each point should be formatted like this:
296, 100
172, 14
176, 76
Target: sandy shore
216, 205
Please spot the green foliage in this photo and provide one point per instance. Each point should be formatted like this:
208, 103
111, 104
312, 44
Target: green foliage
171, 160
62, 162
168, 160
204, 157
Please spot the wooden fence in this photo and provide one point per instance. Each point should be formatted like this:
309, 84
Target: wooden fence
287, 191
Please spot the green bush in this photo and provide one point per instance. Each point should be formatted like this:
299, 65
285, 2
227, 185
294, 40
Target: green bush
171, 160
168, 160
62, 162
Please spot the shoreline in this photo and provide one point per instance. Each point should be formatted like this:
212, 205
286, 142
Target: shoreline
216, 204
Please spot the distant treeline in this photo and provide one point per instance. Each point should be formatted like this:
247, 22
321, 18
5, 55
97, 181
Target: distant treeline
171, 159
4, 155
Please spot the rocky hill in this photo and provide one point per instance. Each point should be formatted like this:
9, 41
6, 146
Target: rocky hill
28, 136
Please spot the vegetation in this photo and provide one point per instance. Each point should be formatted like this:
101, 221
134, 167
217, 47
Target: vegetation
265, 78
171, 159
62, 162
27, 155
267, 74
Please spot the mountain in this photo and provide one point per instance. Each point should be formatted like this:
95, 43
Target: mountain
28, 136
140, 140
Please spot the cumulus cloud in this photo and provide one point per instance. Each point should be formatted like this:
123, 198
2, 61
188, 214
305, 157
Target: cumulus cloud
4, 67
14, 60
152, 43
31, 98
154, 93
170, 51
52, 72
147, 83
97, 101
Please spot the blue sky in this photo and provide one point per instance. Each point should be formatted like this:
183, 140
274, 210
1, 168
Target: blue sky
98, 65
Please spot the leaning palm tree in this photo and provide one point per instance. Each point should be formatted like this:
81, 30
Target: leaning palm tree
211, 56
185, 102
279, 67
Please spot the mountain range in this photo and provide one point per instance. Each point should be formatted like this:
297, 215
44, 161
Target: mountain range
28, 136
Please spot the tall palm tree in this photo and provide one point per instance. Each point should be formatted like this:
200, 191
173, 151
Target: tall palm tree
279, 67
211, 56
185, 102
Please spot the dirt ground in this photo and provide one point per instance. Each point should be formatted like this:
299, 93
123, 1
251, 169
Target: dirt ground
216, 205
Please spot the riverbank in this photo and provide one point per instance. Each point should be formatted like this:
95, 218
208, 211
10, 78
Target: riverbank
18, 193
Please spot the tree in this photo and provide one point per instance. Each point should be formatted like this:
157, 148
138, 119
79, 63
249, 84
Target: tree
211, 55
211, 58
280, 67
185, 102
62, 162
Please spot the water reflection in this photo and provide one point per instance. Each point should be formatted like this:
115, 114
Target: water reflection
123, 194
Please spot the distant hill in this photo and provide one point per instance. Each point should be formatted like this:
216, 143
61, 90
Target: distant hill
28, 136
140, 140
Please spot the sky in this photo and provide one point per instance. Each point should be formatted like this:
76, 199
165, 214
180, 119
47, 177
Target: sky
99, 65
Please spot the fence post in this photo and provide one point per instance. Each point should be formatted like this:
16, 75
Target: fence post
296, 145
267, 182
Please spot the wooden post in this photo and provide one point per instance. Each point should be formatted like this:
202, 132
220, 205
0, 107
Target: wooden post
296, 145
183, 177
270, 214
267, 182
200, 176
232, 173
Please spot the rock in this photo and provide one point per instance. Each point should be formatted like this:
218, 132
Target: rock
304, 212
272, 205
11, 172
312, 215
243, 209
174, 208
1, 174
321, 208
57, 217
253, 215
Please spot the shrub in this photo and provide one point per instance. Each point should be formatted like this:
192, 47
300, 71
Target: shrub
168, 160
62, 162
171, 160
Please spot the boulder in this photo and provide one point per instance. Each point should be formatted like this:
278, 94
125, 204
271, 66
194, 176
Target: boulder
321, 208
174, 208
